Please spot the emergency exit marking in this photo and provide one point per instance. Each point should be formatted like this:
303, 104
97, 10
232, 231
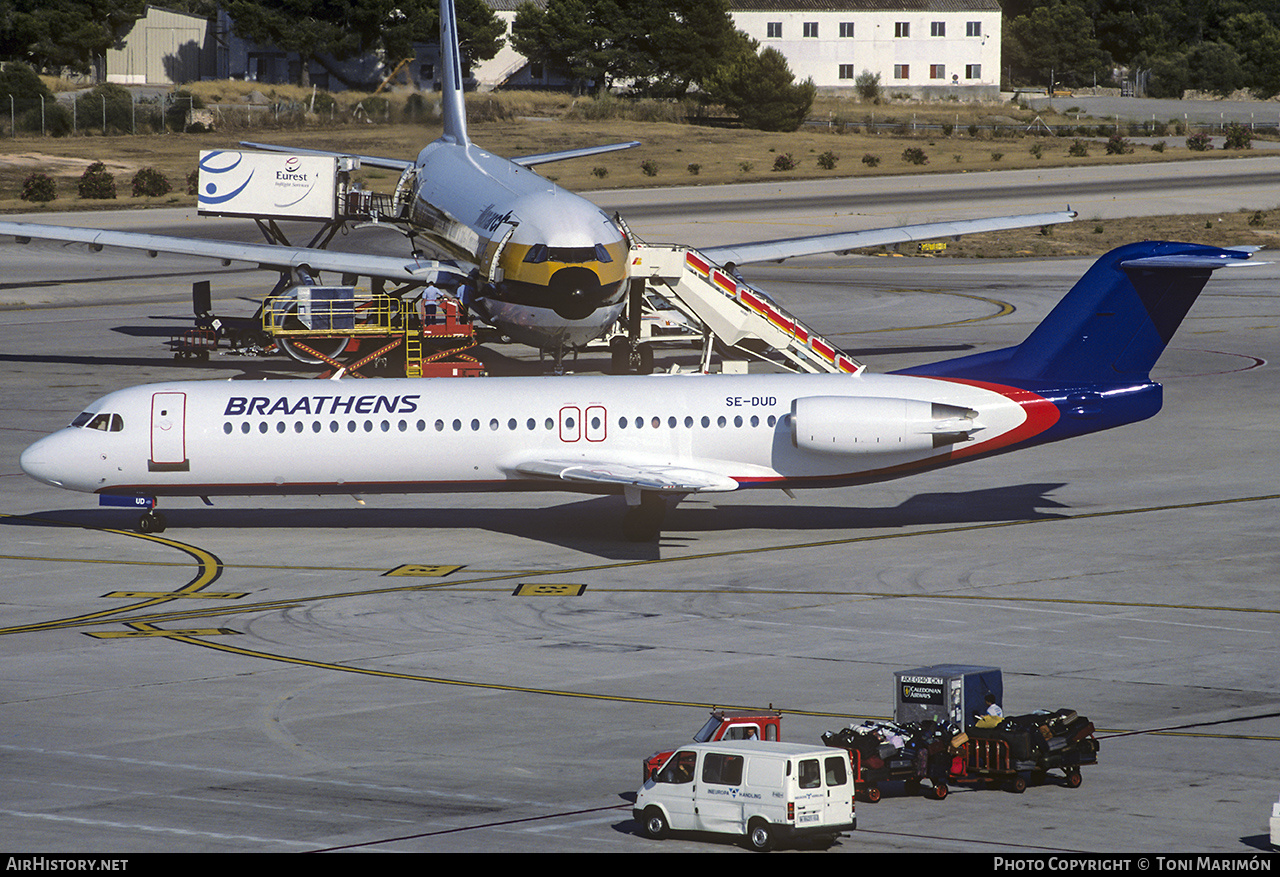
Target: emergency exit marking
155, 595
194, 631
416, 569
545, 589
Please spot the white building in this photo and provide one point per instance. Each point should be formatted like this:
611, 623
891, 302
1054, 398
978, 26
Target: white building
925, 48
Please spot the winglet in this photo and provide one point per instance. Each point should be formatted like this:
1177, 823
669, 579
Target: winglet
452, 105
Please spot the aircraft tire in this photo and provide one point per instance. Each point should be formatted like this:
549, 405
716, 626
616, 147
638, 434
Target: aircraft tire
151, 522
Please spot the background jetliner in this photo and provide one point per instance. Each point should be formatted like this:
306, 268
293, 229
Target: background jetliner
542, 265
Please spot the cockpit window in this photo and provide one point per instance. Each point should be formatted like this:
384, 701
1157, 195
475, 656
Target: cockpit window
101, 421
540, 253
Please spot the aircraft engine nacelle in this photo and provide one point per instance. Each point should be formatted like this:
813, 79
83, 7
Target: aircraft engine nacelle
877, 425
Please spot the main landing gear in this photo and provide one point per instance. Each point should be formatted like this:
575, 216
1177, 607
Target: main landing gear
151, 521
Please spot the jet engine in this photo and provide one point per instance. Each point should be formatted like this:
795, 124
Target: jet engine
877, 425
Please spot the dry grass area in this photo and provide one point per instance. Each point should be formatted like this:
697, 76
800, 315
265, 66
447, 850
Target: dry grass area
672, 153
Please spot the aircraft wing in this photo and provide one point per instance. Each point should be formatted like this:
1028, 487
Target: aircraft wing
646, 476
266, 256
545, 157
840, 242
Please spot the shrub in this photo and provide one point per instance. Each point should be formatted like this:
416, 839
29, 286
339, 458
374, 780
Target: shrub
1117, 145
1158, 146
871, 160
914, 155
996, 156
97, 182
1037, 150
650, 167
1238, 137
694, 167
827, 161
868, 86
151, 183
1199, 142
600, 172
193, 182
39, 187
1258, 219
1078, 148
785, 162
109, 105
745, 166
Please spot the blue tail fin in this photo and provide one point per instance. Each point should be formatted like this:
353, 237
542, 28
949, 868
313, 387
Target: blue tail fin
1113, 324
453, 108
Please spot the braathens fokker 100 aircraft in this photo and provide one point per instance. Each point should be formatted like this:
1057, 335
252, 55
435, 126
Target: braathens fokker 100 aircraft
550, 267
1085, 368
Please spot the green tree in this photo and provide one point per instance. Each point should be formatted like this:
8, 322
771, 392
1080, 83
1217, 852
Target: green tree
1057, 38
577, 37
668, 45
762, 91
308, 27
53, 34
481, 34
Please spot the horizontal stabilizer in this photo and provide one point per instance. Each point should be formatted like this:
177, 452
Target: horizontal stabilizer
583, 152
396, 164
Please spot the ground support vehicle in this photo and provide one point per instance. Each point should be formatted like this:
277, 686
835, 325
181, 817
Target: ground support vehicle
1022, 750
765, 792
726, 725
886, 752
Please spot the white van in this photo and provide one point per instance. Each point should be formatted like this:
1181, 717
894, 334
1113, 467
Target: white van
766, 792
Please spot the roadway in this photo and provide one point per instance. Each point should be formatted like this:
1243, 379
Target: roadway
486, 673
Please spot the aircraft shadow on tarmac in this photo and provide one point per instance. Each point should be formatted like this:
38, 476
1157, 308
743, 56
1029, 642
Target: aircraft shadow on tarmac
592, 525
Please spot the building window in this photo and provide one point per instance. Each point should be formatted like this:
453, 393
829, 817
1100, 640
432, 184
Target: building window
901, 71
973, 29
972, 71
902, 29
811, 30
846, 30
937, 71
938, 29
846, 71
773, 30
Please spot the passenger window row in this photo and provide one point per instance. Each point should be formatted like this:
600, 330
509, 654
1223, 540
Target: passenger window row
459, 426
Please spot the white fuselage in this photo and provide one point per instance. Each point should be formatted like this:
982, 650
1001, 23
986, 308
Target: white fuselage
443, 435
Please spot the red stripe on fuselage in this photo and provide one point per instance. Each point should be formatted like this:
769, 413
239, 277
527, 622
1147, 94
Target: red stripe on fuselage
1041, 415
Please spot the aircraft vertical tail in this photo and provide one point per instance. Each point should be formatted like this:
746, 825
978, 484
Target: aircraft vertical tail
1113, 324
453, 108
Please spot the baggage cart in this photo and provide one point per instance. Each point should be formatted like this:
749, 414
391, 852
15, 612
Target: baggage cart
923, 753
1023, 750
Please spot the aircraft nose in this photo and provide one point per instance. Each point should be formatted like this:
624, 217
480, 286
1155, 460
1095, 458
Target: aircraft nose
577, 292
42, 462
